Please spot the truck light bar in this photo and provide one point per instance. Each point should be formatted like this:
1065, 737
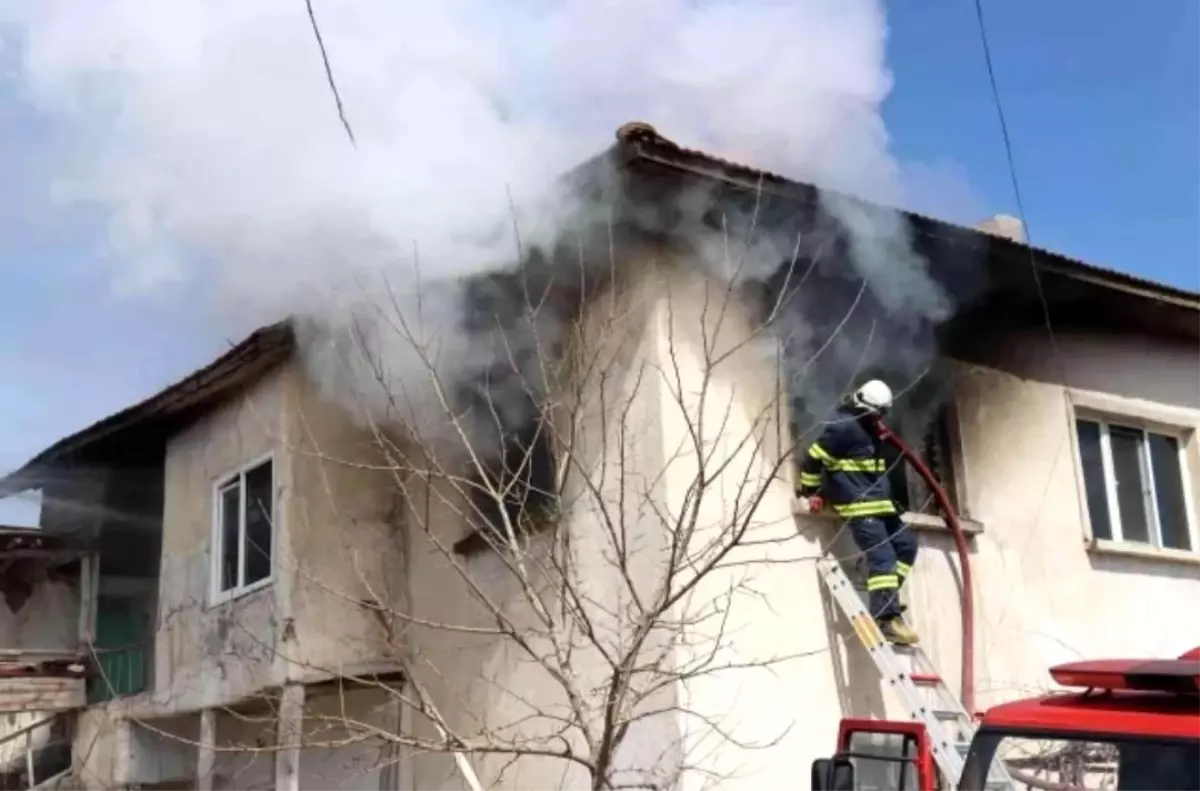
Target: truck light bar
1180, 676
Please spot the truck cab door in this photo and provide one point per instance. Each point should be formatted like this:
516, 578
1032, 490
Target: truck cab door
878, 755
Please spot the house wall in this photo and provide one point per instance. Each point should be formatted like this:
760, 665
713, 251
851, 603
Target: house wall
1043, 594
343, 550
342, 750
483, 682
114, 747
637, 419
339, 752
776, 703
48, 620
209, 654
101, 751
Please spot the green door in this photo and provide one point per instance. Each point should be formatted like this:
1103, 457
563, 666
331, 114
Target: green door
121, 646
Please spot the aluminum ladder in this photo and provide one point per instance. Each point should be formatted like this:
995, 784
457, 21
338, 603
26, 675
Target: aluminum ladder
917, 684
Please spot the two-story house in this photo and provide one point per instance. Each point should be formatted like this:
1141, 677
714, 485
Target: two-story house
279, 590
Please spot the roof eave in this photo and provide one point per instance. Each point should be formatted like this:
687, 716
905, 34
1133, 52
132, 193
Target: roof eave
641, 142
252, 357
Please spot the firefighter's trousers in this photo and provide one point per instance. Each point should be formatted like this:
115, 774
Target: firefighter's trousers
891, 550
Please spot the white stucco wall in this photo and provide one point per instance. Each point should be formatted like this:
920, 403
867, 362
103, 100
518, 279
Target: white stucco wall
483, 682
1043, 595
774, 706
635, 444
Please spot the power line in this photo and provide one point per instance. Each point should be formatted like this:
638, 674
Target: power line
1037, 278
1016, 185
337, 97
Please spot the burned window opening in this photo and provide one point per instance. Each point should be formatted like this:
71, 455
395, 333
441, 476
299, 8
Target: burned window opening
930, 439
517, 484
501, 403
518, 490
835, 332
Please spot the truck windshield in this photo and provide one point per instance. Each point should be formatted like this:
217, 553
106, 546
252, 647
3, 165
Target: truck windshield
1084, 761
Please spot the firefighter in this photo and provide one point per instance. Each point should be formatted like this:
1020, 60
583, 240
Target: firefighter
855, 482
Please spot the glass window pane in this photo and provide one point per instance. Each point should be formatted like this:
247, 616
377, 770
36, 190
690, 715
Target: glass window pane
260, 516
1132, 492
1132, 764
893, 768
1168, 491
1092, 459
230, 503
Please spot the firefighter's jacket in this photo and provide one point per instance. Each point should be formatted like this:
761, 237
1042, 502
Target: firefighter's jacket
850, 456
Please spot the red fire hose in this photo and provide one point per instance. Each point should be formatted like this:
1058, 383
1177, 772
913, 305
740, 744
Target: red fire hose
960, 543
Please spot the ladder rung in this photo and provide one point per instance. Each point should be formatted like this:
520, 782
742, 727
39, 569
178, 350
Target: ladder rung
925, 678
947, 714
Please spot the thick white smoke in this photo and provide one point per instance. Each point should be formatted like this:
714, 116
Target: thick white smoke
206, 132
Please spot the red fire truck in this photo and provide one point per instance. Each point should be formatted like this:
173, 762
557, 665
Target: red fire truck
1132, 725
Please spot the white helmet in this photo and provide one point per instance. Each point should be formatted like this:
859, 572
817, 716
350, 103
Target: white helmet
874, 396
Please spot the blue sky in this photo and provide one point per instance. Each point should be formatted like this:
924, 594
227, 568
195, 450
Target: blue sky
1103, 105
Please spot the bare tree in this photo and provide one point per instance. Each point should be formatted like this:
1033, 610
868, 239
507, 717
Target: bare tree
612, 535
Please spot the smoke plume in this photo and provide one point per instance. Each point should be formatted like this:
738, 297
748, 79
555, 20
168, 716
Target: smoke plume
205, 133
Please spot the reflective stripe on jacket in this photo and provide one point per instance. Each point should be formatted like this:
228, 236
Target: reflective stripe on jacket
846, 463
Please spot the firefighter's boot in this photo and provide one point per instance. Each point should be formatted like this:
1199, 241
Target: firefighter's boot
896, 631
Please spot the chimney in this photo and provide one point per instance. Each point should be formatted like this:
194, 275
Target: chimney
1004, 225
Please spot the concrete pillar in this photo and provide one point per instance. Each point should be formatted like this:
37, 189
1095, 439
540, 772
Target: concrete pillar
289, 733
206, 753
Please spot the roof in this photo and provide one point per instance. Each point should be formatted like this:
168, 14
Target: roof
639, 151
240, 365
1130, 713
640, 141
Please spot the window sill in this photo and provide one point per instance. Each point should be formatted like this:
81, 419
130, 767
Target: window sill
1102, 546
238, 594
477, 543
970, 527
927, 522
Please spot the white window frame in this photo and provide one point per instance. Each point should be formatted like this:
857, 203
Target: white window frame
1146, 470
216, 543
